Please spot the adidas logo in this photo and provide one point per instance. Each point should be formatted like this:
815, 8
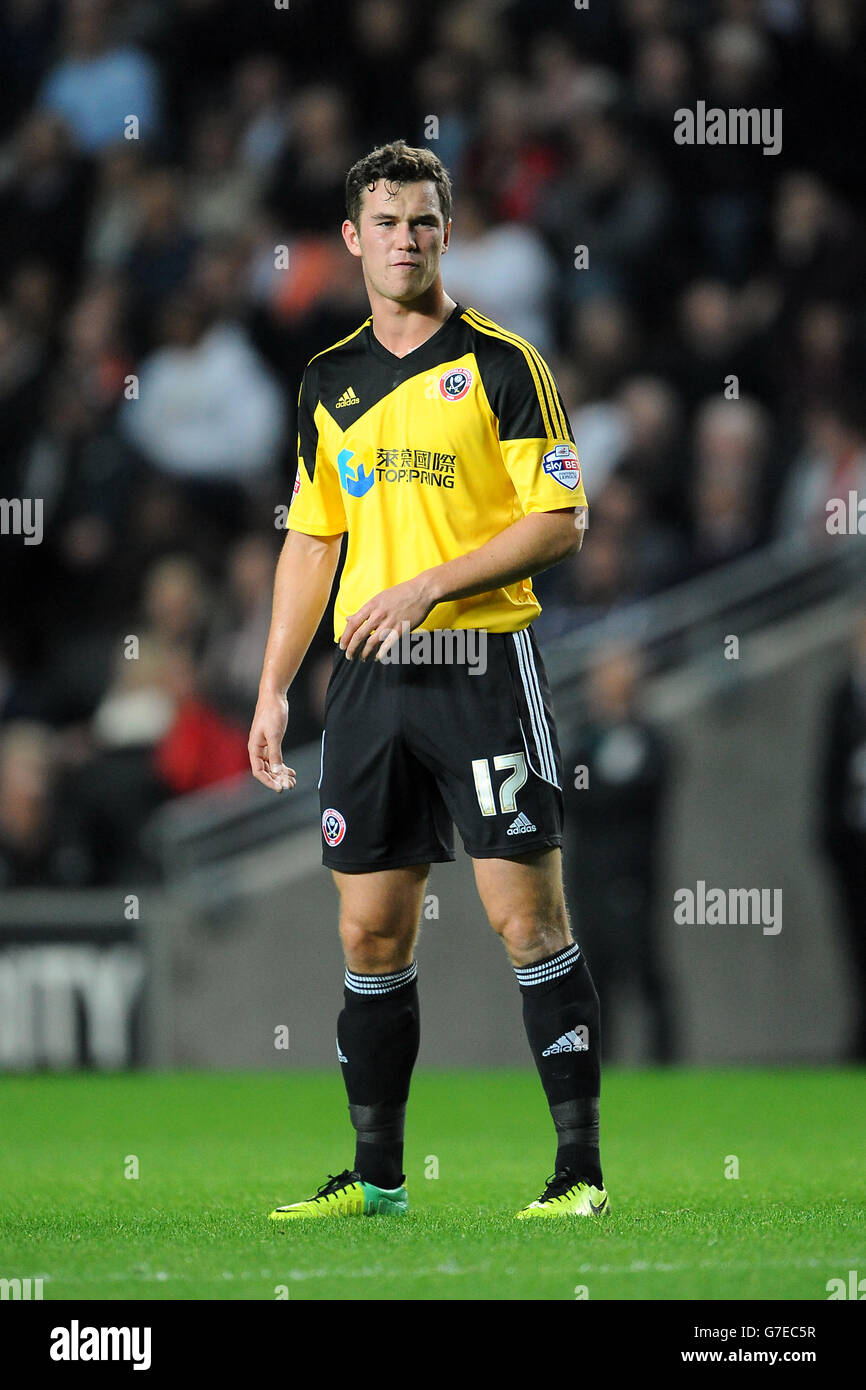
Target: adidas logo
348, 398
339, 1052
575, 1040
520, 825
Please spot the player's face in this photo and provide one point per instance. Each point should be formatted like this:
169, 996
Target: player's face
400, 238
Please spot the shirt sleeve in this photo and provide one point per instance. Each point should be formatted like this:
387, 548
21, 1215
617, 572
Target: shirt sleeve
535, 435
317, 504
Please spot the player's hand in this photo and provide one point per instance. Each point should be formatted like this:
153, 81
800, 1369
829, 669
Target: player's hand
265, 743
378, 624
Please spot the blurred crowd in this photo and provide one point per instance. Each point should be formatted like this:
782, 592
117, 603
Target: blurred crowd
153, 156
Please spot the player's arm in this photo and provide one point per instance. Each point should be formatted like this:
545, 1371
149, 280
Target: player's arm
302, 587
529, 546
539, 454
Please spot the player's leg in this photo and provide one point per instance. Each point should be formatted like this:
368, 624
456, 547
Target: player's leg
378, 1031
525, 904
377, 1040
383, 824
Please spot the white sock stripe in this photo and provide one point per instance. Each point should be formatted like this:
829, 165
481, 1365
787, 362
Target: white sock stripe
392, 977
548, 969
535, 706
550, 975
321, 761
565, 958
542, 715
381, 984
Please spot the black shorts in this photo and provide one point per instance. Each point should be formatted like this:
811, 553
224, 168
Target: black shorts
408, 750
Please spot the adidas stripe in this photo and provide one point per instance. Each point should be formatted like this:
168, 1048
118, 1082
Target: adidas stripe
552, 969
541, 731
381, 984
551, 410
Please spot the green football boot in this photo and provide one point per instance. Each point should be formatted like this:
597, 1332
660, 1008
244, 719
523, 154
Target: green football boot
567, 1195
346, 1195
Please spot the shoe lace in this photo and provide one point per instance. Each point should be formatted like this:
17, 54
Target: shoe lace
558, 1184
333, 1184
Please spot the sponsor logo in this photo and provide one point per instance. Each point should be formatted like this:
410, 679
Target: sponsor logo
333, 826
348, 398
426, 466
296, 489
356, 483
575, 1040
521, 825
340, 1054
454, 384
562, 464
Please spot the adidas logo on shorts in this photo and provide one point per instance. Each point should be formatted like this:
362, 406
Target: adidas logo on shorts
575, 1040
520, 825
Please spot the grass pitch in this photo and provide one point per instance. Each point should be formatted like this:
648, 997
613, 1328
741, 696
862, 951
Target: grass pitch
217, 1152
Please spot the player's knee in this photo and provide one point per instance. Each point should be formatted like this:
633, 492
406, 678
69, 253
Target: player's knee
374, 948
528, 938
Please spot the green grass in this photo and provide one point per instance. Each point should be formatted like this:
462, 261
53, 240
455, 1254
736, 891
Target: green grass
216, 1152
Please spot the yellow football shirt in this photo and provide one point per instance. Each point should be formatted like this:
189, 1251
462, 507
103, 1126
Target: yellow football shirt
425, 457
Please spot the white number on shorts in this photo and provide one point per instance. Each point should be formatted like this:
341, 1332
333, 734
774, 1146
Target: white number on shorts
509, 788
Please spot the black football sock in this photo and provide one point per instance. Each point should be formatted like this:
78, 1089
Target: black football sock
562, 1020
378, 1034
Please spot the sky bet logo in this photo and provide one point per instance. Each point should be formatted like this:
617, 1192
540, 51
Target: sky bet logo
356, 484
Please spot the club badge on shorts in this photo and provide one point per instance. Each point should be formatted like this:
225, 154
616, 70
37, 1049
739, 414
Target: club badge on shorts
333, 826
562, 464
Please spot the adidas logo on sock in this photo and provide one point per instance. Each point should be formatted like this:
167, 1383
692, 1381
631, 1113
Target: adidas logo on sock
348, 398
339, 1053
520, 825
575, 1040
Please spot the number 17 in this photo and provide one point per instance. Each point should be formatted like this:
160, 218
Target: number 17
511, 785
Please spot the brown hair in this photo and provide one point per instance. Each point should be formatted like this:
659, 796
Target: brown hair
399, 163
